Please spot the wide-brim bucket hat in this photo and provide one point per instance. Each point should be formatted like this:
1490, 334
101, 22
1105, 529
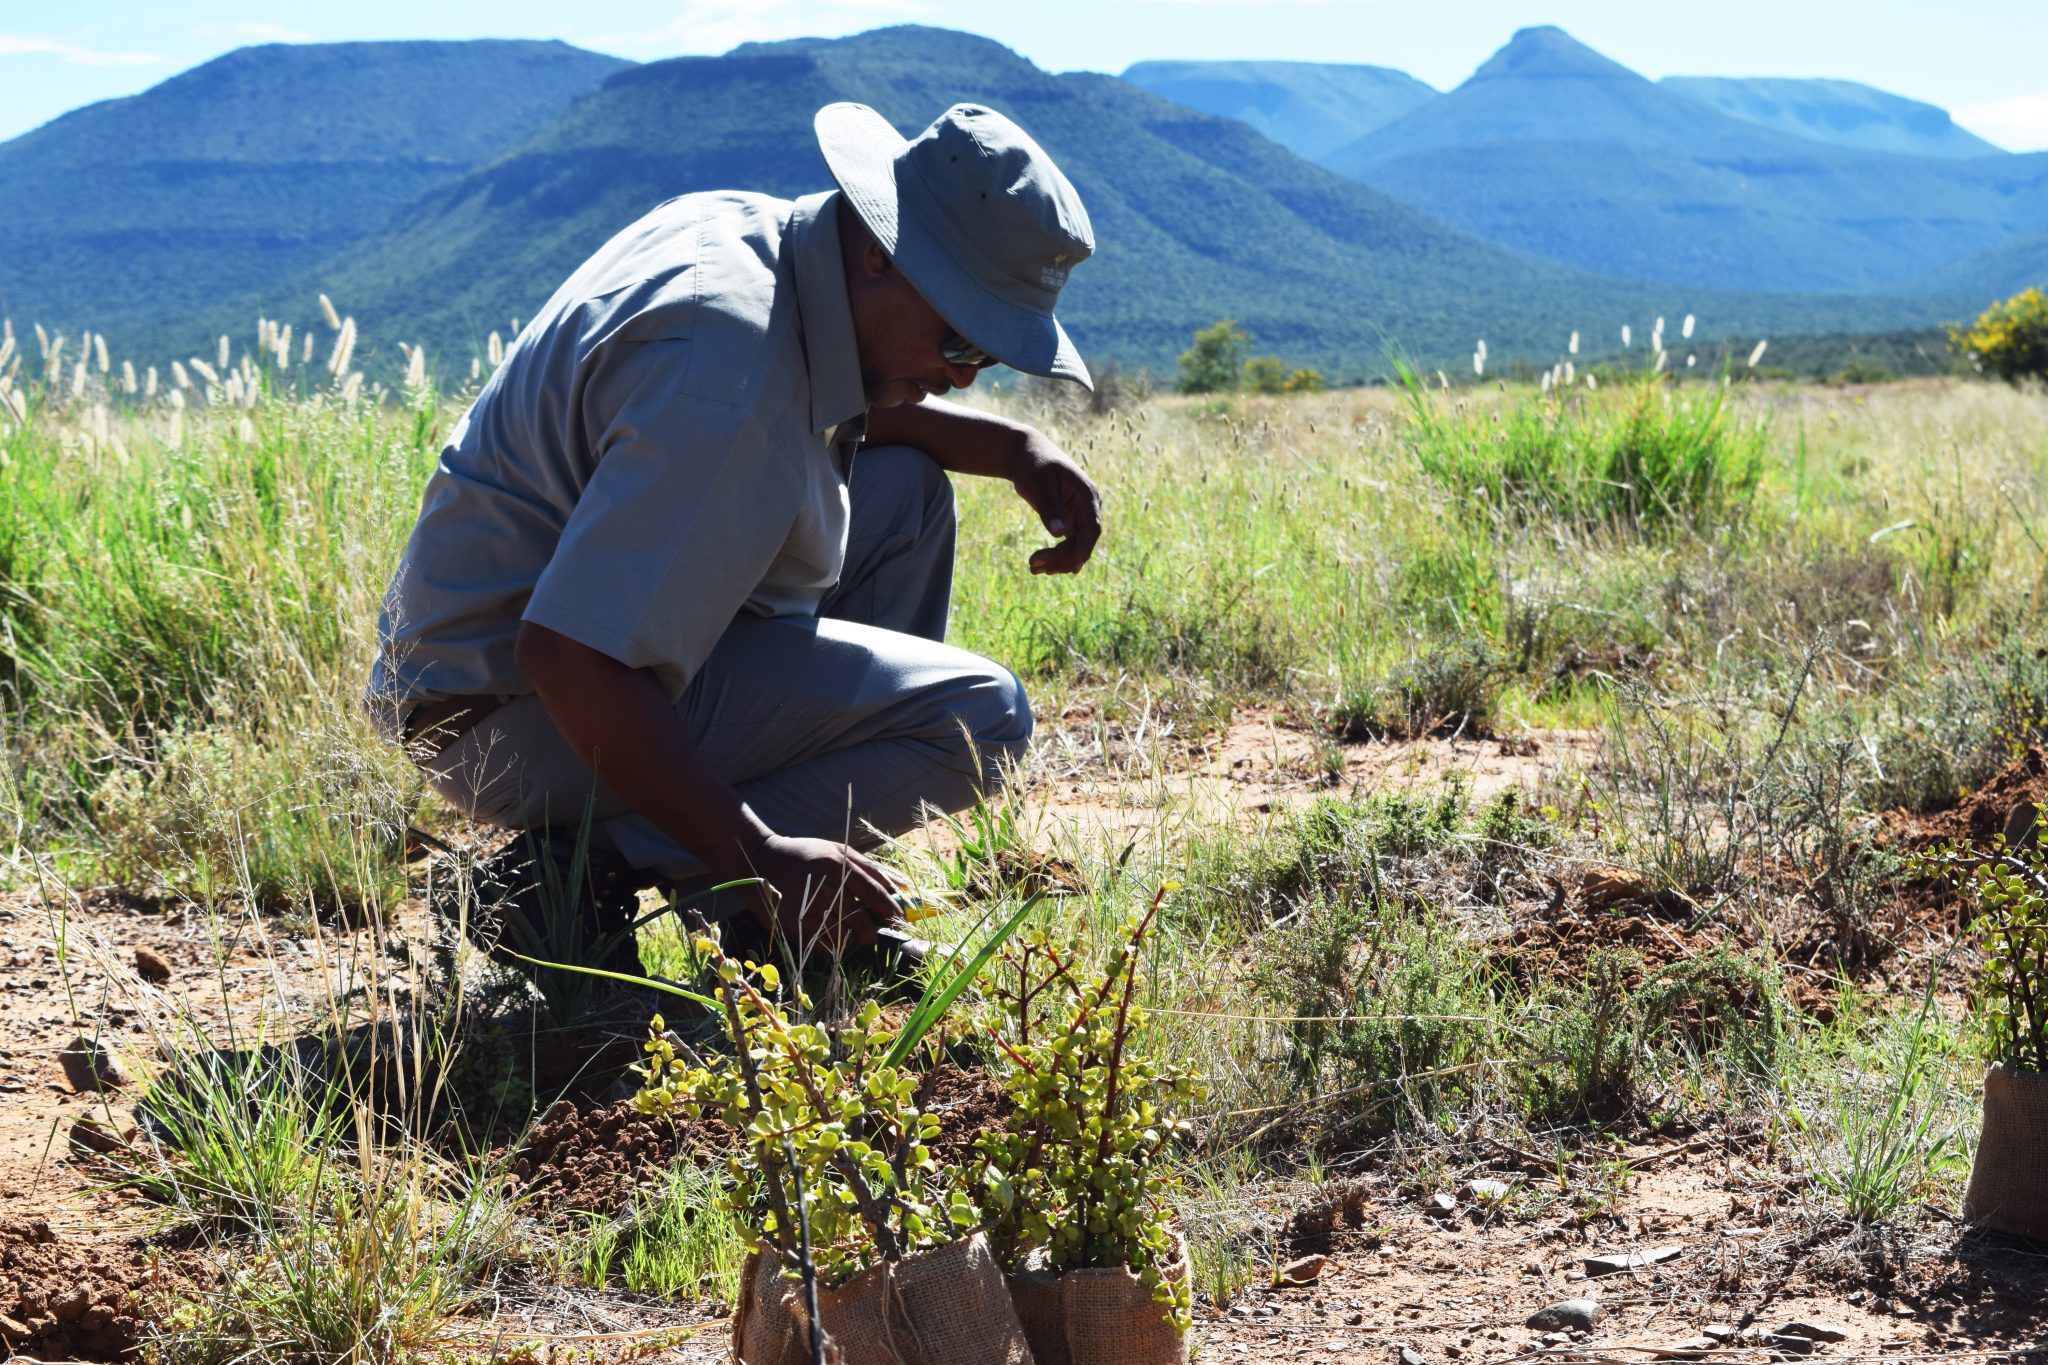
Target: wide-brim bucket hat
977, 217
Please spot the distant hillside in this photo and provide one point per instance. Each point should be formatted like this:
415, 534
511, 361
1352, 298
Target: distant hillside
1198, 217
1310, 108
1994, 273
1552, 149
1845, 113
253, 167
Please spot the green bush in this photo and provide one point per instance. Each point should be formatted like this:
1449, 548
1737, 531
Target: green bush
1645, 456
1265, 374
1215, 362
2009, 339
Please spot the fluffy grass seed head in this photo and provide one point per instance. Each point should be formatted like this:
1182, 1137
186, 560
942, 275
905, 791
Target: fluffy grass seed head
1758, 353
1573, 348
344, 348
327, 311
1625, 342
1686, 330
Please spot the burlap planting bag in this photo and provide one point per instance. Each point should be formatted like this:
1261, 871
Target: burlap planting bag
943, 1307
2009, 1182
1098, 1317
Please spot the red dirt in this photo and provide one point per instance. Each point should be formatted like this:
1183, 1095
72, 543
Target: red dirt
1980, 817
61, 1298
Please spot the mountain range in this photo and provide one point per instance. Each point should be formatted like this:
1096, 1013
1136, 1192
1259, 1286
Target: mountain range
1552, 149
254, 168
438, 191
1310, 108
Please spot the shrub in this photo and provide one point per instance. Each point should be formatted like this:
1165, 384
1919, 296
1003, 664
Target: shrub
2009, 339
1265, 374
1646, 456
1215, 362
1083, 1168
1453, 688
2013, 996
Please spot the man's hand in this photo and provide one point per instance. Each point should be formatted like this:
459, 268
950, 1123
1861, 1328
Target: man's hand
1065, 500
821, 893
965, 441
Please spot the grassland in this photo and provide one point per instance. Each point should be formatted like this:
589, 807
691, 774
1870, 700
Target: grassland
1786, 622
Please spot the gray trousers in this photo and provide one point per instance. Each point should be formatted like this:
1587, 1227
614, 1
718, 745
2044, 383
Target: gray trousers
860, 718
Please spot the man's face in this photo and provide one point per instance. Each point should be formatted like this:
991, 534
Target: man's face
899, 335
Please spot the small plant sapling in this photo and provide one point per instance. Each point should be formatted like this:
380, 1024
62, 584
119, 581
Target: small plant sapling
1082, 1171
2013, 997
829, 1127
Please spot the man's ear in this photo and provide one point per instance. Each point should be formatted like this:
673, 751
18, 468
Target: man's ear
875, 261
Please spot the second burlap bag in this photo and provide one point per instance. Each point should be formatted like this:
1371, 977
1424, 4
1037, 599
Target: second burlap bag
1098, 1317
942, 1307
2008, 1191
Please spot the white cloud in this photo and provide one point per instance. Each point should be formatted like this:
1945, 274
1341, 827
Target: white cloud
28, 45
2018, 122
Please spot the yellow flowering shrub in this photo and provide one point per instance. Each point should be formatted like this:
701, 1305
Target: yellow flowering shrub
2010, 339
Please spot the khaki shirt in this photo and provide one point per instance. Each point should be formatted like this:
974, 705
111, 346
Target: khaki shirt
666, 445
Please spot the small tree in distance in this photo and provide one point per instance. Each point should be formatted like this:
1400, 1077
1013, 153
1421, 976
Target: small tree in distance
2009, 340
1214, 363
1265, 374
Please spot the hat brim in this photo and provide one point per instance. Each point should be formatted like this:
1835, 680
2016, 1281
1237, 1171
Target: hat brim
861, 149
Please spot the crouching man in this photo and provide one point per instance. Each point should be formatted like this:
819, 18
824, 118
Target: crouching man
686, 562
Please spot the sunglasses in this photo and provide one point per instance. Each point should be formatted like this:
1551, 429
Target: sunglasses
958, 350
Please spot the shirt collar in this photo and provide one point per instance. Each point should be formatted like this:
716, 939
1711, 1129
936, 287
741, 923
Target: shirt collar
830, 352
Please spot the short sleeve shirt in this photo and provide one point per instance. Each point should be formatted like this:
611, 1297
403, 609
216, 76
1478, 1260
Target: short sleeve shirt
665, 445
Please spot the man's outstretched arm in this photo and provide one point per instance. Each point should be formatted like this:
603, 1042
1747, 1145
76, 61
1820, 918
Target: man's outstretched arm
623, 723
965, 441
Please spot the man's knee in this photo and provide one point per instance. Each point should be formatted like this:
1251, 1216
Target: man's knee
998, 722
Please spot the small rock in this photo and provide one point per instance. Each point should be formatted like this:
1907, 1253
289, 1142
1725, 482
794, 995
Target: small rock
1490, 1191
1719, 1331
88, 1135
91, 1065
151, 966
1813, 1331
1411, 1356
1786, 1345
11, 1331
1614, 1264
1689, 1349
1902, 1311
1442, 1205
1554, 1338
1307, 1270
1580, 1314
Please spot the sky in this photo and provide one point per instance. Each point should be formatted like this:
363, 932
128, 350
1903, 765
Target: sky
1979, 59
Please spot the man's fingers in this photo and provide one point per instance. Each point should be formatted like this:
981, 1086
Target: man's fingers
1071, 509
